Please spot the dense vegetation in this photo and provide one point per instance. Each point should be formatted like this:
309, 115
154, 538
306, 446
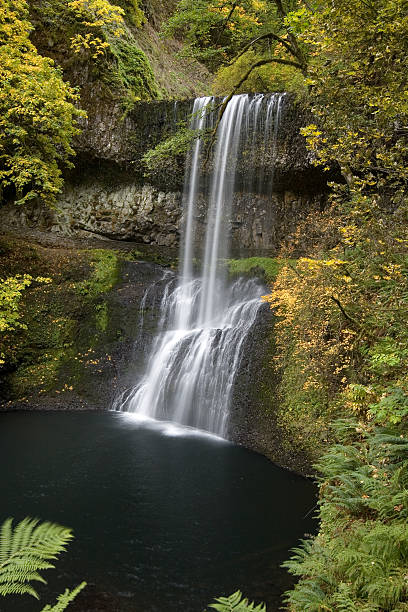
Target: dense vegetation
342, 310
37, 112
249, 44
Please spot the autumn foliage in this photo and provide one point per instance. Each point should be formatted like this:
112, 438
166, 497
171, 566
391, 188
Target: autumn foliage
37, 112
341, 312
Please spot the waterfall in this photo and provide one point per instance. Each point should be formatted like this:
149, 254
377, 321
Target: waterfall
205, 319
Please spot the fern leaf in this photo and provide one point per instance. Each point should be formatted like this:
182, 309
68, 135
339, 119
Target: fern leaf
25, 549
236, 603
64, 599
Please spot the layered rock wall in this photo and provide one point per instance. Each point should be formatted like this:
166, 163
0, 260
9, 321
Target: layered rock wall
110, 194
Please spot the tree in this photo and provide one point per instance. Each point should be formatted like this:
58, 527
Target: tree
37, 112
100, 21
358, 76
220, 33
342, 334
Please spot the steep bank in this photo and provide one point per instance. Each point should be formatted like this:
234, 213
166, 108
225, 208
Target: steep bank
80, 328
138, 64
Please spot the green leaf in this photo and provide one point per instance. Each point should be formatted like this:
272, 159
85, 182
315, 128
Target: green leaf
25, 549
64, 599
236, 603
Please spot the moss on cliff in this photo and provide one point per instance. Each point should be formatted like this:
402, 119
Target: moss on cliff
104, 274
123, 66
66, 320
133, 13
131, 71
137, 65
266, 267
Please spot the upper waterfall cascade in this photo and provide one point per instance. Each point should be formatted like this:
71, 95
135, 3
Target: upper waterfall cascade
205, 318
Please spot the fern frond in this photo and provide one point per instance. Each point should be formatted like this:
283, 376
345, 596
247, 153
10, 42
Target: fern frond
236, 603
25, 549
64, 599
396, 446
307, 596
343, 599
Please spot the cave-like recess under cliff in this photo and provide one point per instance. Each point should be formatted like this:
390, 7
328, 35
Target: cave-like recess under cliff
111, 194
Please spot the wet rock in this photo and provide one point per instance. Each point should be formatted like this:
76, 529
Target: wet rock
109, 194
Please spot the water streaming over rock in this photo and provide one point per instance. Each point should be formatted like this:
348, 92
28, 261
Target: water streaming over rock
204, 317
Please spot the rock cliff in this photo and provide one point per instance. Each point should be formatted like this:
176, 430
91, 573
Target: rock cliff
110, 194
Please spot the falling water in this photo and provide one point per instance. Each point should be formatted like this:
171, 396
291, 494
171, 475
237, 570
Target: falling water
204, 318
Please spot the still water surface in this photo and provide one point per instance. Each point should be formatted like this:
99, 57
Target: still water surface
164, 520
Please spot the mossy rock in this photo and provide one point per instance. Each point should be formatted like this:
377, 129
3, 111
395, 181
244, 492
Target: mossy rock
133, 71
263, 267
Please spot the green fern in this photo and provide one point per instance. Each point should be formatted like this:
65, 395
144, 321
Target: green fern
236, 603
26, 549
307, 596
359, 560
64, 599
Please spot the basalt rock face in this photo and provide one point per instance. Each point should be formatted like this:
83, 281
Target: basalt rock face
110, 194
261, 222
121, 138
83, 352
107, 342
253, 420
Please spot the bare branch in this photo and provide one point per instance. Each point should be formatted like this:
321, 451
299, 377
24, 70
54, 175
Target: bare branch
282, 14
226, 20
344, 313
263, 62
284, 42
279, 6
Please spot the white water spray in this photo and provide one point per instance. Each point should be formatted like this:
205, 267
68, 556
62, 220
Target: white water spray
205, 320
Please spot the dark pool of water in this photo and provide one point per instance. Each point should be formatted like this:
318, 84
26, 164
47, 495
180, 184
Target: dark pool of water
162, 522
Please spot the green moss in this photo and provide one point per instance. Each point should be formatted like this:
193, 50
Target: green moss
102, 317
266, 266
133, 71
64, 320
104, 276
133, 13
174, 146
161, 256
124, 68
47, 327
37, 377
309, 406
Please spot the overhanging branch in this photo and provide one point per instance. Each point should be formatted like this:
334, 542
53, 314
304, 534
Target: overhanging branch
284, 42
344, 313
258, 64
226, 20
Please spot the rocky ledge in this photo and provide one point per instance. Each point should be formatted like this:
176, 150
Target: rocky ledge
111, 194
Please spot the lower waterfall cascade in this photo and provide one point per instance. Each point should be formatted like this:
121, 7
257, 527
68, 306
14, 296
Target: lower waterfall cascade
205, 318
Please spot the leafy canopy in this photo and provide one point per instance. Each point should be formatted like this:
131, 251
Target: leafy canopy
213, 30
238, 36
342, 335
101, 20
359, 92
37, 113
